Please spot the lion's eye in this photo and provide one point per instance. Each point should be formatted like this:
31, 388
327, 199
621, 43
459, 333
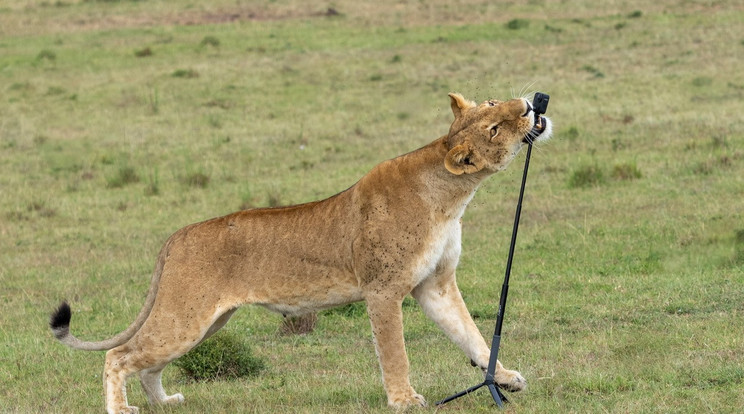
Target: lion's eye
494, 130
491, 103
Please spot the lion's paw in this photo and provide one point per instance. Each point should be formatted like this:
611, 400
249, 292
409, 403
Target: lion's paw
173, 399
510, 380
130, 409
410, 399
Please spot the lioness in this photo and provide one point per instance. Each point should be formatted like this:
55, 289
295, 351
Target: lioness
395, 232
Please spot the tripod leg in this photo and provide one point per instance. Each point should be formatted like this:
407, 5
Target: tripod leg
460, 394
498, 397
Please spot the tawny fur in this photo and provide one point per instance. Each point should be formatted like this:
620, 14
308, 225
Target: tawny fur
395, 232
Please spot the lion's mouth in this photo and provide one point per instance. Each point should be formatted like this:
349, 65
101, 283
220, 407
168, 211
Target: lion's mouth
537, 129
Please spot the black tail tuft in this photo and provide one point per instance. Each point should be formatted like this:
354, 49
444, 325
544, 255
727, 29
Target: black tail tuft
61, 317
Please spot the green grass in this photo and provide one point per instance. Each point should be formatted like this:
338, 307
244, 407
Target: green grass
123, 121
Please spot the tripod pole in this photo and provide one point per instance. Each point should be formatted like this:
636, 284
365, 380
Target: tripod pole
489, 382
505, 287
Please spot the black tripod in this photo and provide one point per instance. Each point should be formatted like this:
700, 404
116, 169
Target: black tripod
540, 104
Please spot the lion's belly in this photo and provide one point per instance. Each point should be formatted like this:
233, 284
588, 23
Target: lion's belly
313, 301
309, 291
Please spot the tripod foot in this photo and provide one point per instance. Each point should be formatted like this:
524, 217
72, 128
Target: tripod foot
498, 397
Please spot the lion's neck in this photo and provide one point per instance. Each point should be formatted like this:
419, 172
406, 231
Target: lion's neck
443, 190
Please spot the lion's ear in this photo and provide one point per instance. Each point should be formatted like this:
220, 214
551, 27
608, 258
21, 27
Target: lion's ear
459, 104
463, 160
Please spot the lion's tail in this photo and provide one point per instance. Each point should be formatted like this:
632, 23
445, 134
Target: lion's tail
60, 319
60, 325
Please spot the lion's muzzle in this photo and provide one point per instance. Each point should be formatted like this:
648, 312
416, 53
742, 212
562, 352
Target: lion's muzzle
538, 128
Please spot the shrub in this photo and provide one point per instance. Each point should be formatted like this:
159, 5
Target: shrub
197, 179
586, 176
571, 133
704, 168
125, 175
143, 52
46, 54
224, 356
517, 24
626, 172
739, 246
41, 209
153, 184
210, 41
274, 198
702, 81
591, 69
299, 325
185, 73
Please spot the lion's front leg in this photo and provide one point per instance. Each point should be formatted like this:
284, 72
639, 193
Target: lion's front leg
386, 318
441, 301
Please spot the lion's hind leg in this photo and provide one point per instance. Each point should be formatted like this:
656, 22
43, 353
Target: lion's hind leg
161, 340
115, 373
151, 379
124, 361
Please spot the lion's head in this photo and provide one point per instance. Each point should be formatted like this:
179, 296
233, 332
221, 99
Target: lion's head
486, 137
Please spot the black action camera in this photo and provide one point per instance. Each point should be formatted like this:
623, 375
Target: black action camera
540, 103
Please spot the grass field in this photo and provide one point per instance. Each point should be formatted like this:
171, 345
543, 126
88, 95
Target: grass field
122, 121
